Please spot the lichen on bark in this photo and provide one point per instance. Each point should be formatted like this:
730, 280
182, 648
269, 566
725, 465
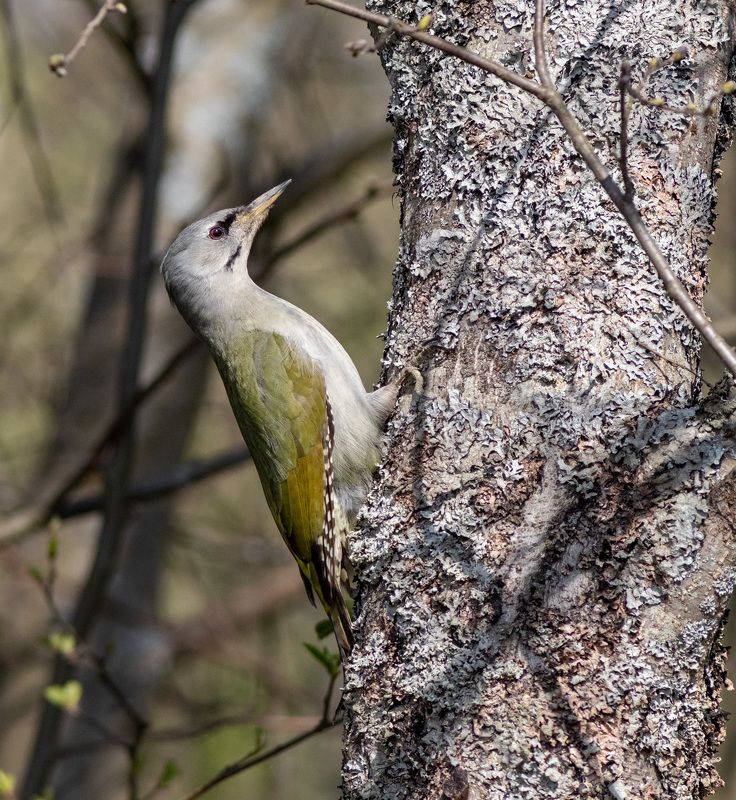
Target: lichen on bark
547, 555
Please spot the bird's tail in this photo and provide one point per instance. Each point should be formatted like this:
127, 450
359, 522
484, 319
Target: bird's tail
340, 617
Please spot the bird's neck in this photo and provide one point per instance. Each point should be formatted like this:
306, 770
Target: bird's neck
225, 311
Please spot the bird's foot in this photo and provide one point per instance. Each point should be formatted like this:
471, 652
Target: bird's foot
409, 372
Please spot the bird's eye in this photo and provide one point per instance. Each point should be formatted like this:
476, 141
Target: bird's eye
216, 232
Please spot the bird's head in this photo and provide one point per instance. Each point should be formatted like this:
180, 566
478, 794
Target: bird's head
209, 257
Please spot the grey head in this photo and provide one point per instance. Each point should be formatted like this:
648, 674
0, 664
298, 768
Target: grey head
206, 265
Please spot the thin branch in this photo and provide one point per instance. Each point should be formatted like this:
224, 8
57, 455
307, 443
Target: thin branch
127, 44
636, 91
624, 84
395, 25
688, 110
552, 98
255, 757
540, 51
347, 213
252, 759
183, 476
20, 101
59, 62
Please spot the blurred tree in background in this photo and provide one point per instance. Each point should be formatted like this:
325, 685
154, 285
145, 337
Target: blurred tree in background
164, 554
188, 595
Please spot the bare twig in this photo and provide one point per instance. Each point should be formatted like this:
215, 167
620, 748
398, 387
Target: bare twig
636, 91
253, 758
540, 52
624, 83
127, 44
397, 26
256, 757
552, 98
59, 62
20, 101
688, 110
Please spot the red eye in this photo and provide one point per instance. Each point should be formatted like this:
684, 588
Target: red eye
216, 232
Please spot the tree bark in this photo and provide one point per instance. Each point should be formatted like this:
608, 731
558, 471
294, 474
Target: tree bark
547, 557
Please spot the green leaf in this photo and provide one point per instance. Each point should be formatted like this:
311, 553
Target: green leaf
36, 574
168, 773
52, 549
7, 784
323, 629
330, 661
66, 696
64, 643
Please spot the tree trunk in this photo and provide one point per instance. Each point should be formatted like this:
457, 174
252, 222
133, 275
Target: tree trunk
547, 557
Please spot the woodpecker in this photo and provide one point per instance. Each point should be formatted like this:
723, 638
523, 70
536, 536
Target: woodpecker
313, 431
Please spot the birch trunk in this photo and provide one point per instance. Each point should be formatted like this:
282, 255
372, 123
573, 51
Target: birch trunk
547, 557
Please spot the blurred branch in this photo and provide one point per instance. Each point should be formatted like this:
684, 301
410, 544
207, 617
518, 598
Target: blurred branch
59, 62
115, 508
324, 167
74, 650
184, 733
346, 213
29, 520
255, 757
20, 102
219, 622
185, 475
546, 91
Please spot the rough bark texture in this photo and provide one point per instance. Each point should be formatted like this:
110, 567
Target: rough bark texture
548, 553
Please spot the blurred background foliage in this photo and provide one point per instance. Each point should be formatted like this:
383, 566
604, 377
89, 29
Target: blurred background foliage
203, 623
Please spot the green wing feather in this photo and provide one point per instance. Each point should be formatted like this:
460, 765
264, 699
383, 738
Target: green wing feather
281, 405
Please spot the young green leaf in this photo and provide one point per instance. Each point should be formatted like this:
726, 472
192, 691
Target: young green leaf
330, 661
168, 773
7, 784
323, 629
64, 643
66, 696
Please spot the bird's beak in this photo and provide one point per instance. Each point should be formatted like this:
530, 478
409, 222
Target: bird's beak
261, 205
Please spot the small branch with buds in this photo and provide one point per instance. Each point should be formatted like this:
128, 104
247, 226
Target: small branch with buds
636, 91
59, 62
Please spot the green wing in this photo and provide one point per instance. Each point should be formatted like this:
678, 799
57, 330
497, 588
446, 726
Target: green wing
280, 401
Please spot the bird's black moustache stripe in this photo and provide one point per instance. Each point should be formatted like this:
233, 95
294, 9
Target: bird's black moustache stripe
233, 258
228, 221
